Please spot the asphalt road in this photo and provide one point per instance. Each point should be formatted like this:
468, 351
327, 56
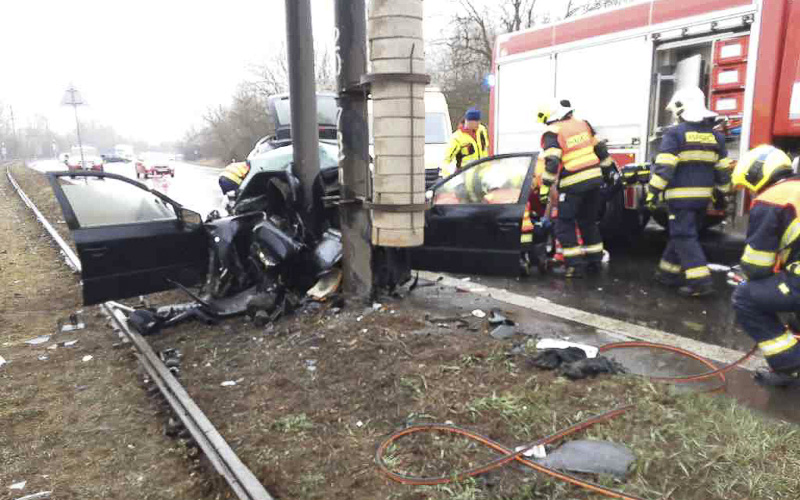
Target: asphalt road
625, 289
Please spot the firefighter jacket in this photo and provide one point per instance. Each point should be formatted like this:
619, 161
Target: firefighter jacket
236, 172
692, 162
773, 233
573, 156
464, 148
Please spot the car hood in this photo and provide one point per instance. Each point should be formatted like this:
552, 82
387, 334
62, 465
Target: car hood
280, 160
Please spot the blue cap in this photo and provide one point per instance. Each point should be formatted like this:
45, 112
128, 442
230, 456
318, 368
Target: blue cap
473, 114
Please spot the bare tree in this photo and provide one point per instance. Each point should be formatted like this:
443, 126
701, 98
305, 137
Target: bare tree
272, 77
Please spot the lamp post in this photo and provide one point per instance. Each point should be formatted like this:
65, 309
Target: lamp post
73, 98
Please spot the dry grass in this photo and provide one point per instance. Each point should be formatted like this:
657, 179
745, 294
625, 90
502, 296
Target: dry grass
81, 429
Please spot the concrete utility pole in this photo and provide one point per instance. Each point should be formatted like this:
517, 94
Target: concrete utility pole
73, 98
303, 99
351, 65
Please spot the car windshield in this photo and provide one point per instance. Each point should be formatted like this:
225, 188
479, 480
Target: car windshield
327, 110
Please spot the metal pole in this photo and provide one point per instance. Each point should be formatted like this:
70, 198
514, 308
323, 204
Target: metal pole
303, 101
77, 124
351, 64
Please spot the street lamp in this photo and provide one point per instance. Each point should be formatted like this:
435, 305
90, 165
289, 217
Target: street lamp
73, 98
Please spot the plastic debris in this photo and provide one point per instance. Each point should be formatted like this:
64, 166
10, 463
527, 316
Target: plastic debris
376, 306
498, 319
43, 358
326, 286
591, 351
359, 424
70, 343
591, 367
2, 361
478, 313
503, 332
38, 340
311, 365
550, 359
18, 486
719, 268
592, 457
358, 319
228, 383
88, 357
42, 495
537, 451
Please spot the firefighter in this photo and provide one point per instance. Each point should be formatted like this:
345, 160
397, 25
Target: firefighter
771, 260
468, 143
578, 165
233, 175
691, 169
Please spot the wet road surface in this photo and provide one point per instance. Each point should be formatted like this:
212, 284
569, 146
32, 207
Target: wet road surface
626, 291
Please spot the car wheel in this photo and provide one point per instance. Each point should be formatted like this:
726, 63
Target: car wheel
621, 224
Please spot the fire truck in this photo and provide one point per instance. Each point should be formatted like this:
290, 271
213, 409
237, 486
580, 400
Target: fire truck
619, 68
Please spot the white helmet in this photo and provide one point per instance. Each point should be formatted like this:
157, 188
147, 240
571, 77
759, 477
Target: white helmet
689, 104
554, 111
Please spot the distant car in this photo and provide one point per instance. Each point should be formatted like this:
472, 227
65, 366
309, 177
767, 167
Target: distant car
152, 164
89, 160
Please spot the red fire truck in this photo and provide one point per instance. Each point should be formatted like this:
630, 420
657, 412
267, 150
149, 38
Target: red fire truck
620, 67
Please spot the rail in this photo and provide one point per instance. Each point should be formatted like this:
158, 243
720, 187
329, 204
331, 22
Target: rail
240, 479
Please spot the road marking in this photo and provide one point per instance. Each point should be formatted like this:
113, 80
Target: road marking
604, 324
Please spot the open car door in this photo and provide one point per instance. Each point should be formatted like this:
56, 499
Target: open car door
474, 225
130, 239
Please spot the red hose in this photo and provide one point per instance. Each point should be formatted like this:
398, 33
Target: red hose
508, 455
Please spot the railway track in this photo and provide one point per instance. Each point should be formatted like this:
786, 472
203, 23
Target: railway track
240, 479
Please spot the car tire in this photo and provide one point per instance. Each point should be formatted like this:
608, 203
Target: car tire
620, 224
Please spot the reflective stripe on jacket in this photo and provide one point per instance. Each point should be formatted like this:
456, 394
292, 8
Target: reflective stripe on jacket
571, 155
236, 172
773, 233
463, 149
692, 161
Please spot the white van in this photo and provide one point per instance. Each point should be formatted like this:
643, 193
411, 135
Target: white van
437, 132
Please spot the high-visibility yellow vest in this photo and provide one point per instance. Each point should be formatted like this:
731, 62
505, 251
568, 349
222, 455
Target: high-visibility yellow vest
463, 149
236, 172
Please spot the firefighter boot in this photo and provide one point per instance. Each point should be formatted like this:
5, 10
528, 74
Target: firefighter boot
777, 379
575, 271
668, 279
700, 289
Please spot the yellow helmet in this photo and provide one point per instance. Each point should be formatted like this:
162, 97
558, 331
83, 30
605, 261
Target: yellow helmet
759, 167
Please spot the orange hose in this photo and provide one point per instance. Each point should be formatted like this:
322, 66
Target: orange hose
715, 372
508, 455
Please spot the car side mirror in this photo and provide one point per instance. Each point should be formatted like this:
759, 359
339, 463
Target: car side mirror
189, 216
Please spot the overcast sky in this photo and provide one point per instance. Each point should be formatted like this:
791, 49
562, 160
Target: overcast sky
149, 68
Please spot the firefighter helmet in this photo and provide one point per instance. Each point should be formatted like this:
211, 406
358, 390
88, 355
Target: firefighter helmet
554, 111
760, 167
689, 104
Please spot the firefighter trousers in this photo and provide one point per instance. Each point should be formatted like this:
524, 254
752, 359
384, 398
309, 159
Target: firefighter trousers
757, 305
580, 210
684, 256
227, 185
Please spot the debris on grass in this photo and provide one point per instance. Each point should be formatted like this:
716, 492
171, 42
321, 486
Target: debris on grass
503, 332
591, 351
38, 340
591, 457
42, 495
88, 357
479, 314
2, 361
326, 286
18, 485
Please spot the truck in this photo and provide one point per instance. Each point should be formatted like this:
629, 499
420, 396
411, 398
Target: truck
619, 68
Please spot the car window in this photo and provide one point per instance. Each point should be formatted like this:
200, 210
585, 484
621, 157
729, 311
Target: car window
327, 110
492, 182
110, 202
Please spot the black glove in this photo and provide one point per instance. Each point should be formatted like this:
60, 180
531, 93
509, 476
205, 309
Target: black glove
719, 199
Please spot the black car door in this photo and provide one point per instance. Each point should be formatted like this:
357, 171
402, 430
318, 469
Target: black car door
475, 222
130, 239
